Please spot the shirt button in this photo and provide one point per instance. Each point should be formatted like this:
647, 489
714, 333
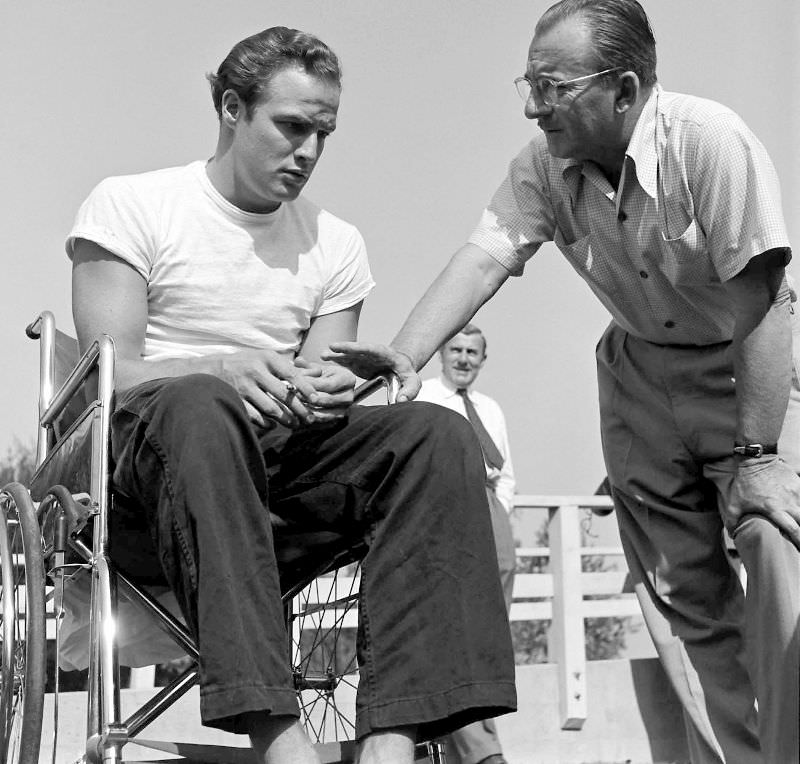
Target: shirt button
644, 274
622, 216
669, 324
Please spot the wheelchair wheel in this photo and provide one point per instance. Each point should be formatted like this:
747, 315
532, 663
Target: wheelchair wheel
22, 653
323, 645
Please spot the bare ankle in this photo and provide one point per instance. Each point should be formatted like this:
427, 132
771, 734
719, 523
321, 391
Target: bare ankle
280, 740
391, 746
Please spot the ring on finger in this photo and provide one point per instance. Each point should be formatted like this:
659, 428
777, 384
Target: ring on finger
291, 390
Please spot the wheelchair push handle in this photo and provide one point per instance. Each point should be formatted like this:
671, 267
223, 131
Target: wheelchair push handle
387, 381
34, 329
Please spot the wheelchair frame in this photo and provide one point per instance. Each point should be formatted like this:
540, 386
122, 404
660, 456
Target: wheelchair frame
55, 504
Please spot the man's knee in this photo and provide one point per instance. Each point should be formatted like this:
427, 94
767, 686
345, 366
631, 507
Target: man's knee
438, 425
760, 541
756, 531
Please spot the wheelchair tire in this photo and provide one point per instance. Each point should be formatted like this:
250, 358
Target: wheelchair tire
323, 655
22, 630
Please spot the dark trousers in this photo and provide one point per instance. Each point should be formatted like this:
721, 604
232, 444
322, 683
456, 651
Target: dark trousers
434, 647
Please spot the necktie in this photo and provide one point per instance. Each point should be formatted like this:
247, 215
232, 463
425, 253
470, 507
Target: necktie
491, 453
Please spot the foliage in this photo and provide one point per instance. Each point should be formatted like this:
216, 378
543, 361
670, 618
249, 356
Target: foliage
18, 464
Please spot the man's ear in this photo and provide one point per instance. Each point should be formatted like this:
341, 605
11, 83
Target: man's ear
628, 88
231, 107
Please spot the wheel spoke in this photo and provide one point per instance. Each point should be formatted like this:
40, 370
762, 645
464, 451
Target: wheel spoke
325, 664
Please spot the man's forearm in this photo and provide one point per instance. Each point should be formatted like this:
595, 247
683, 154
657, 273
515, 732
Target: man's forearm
131, 372
763, 367
469, 280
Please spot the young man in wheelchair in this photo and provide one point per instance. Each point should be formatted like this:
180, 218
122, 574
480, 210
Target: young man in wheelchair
221, 286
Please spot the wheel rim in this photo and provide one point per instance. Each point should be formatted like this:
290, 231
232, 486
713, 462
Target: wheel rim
23, 628
324, 655
13, 649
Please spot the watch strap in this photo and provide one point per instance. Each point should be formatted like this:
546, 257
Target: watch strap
754, 450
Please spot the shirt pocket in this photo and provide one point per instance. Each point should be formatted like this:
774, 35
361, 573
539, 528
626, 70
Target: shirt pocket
577, 251
685, 259
591, 263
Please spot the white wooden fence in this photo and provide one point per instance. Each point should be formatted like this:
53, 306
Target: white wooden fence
561, 595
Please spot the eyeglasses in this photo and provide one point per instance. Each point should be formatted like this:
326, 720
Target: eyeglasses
548, 91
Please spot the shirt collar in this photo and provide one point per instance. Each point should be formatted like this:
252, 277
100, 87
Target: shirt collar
449, 386
641, 149
642, 146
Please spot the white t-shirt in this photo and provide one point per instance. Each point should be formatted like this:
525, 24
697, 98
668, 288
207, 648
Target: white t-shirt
220, 279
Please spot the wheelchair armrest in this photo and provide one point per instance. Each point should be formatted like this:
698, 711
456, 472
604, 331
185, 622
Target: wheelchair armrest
387, 381
76, 378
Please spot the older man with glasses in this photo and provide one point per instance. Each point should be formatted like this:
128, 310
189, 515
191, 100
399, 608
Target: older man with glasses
669, 208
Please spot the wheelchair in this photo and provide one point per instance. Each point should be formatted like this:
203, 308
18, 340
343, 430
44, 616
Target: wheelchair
54, 550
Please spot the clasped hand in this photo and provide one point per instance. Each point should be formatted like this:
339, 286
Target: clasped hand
293, 392
770, 488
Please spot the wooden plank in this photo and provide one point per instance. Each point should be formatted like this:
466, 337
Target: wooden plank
531, 611
621, 607
570, 503
565, 560
605, 582
587, 551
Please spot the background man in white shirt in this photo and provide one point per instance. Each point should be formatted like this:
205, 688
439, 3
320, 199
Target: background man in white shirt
462, 357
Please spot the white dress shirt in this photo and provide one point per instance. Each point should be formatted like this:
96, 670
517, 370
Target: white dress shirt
443, 392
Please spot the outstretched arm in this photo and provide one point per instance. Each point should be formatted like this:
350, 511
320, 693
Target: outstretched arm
471, 277
763, 366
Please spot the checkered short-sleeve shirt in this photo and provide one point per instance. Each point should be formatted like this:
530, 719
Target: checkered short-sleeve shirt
698, 198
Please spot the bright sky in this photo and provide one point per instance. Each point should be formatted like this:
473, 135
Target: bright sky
428, 123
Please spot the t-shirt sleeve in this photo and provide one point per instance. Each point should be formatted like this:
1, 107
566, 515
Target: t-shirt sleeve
350, 279
737, 196
519, 218
114, 218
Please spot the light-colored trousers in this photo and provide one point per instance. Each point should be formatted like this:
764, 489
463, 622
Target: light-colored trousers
668, 417
473, 743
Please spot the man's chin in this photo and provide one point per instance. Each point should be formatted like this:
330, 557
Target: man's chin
290, 193
556, 145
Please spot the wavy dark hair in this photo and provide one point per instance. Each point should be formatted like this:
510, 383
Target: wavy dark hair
621, 33
252, 63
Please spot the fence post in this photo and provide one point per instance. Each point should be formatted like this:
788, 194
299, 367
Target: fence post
567, 624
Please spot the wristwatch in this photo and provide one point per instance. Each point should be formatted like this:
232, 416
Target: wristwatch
755, 450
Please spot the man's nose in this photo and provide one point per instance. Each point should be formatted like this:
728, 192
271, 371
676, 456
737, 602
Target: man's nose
535, 110
309, 149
